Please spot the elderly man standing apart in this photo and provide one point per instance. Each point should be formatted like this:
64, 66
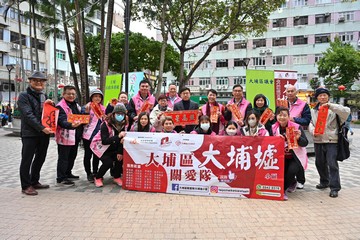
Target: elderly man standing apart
34, 136
326, 144
172, 96
300, 114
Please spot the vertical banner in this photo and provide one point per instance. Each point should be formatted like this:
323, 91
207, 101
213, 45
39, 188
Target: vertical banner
134, 80
112, 87
50, 116
260, 81
282, 79
242, 167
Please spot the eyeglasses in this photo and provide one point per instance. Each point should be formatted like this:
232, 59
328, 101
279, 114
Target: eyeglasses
38, 80
71, 94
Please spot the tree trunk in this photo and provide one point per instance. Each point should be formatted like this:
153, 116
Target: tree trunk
102, 46
109, 22
30, 35
182, 81
35, 39
21, 47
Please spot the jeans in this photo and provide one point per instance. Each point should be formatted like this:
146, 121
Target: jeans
327, 165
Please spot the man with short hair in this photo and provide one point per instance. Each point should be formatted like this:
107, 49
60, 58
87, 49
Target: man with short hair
185, 104
172, 96
300, 114
34, 136
137, 101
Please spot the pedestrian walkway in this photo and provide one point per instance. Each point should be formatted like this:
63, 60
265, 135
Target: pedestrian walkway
86, 212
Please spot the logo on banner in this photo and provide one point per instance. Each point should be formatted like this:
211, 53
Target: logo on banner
227, 178
165, 141
175, 187
214, 189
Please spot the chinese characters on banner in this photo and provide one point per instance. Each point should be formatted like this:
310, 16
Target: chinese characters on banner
321, 120
245, 167
97, 110
235, 111
185, 117
50, 116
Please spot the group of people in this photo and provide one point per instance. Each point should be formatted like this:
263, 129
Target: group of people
103, 136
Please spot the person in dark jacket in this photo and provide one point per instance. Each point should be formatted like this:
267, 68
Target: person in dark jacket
34, 136
112, 131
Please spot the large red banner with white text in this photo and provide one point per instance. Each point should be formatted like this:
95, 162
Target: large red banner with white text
227, 166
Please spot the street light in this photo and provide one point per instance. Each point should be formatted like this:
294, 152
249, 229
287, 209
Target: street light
10, 67
245, 62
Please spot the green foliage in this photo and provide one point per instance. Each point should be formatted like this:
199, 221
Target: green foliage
340, 65
314, 83
144, 54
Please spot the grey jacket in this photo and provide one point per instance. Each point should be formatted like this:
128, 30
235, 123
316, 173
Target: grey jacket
330, 135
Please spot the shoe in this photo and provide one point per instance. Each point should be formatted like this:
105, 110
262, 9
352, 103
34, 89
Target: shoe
285, 197
41, 186
73, 176
98, 182
30, 191
118, 181
321, 186
300, 186
333, 194
292, 188
90, 177
65, 183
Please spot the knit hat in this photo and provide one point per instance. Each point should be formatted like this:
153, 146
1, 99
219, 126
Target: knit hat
119, 108
96, 91
37, 75
320, 91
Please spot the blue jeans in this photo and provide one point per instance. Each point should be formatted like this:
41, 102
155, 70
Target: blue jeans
327, 165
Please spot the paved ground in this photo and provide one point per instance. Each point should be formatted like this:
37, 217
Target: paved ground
84, 212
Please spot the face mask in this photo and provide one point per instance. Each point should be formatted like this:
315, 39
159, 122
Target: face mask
231, 132
205, 126
252, 123
119, 117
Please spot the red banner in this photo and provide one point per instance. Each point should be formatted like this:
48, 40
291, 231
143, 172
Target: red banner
321, 120
235, 111
50, 116
81, 118
97, 110
265, 116
291, 138
245, 167
185, 117
145, 107
214, 110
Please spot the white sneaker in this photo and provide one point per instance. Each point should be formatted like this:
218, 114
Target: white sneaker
300, 186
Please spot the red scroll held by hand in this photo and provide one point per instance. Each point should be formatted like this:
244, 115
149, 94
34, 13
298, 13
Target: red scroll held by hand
265, 116
50, 116
185, 117
282, 103
291, 138
97, 110
235, 111
145, 107
321, 120
78, 118
214, 110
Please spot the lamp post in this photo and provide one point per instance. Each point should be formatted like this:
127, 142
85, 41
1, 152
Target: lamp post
246, 62
10, 67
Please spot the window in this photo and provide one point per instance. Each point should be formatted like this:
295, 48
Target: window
322, 18
322, 1
60, 35
240, 45
207, 64
222, 46
318, 57
297, 3
279, 60
60, 55
1, 35
298, 40
89, 28
240, 80
346, 37
259, 61
40, 44
1, 59
259, 42
204, 81
279, 41
303, 20
281, 22
221, 63
322, 38
222, 81
300, 59
60, 73
98, 14
346, 16
203, 47
14, 38
239, 62
187, 65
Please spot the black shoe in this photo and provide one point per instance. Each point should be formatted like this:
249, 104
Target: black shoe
321, 186
73, 176
65, 183
41, 186
333, 194
90, 178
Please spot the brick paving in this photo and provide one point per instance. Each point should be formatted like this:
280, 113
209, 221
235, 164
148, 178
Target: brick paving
85, 212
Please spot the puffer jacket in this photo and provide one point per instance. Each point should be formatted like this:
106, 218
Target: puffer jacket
330, 135
29, 104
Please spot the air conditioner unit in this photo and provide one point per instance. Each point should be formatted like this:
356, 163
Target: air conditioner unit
202, 88
341, 19
254, 46
269, 51
207, 87
296, 17
33, 51
277, 38
304, 75
358, 43
15, 46
305, 36
262, 51
327, 14
224, 87
218, 87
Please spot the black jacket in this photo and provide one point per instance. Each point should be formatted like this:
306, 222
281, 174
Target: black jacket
29, 104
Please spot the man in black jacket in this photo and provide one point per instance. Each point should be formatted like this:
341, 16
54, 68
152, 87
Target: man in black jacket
34, 136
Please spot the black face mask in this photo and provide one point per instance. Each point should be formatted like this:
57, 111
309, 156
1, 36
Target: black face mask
161, 108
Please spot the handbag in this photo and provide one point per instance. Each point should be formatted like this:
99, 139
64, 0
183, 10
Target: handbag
343, 150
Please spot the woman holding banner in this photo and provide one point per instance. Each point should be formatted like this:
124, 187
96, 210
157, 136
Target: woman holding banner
143, 124
215, 111
261, 108
295, 147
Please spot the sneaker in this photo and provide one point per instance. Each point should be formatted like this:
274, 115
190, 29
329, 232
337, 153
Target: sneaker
321, 186
292, 188
300, 186
90, 177
118, 181
98, 182
72, 176
333, 194
65, 183
285, 197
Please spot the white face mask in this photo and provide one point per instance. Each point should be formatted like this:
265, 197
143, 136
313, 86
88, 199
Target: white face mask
205, 126
252, 123
231, 132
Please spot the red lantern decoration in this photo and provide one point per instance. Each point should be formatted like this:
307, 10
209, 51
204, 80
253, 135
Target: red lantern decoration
341, 88
61, 85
